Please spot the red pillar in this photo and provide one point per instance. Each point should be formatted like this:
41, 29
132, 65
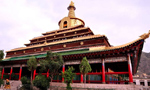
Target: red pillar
2, 73
63, 70
130, 69
10, 73
81, 78
20, 72
103, 71
47, 73
34, 74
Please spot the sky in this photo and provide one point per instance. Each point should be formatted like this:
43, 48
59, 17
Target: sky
122, 21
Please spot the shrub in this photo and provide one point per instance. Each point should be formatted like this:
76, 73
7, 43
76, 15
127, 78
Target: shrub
26, 83
13, 75
68, 76
1, 80
41, 82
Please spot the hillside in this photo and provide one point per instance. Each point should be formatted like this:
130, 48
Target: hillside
144, 66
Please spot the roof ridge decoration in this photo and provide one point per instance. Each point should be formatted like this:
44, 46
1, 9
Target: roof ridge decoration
145, 35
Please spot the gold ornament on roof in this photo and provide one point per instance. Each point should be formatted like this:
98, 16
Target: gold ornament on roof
24, 51
64, 45
71, 9
72, 3
42, 49
81, 43
45, 43
145, 35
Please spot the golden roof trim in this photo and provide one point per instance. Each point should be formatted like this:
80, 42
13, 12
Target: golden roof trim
60, 37
78, 29
58, 42
145, 35
62, 29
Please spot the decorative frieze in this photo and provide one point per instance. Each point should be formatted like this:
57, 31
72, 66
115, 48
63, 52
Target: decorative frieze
116, 59
107, 60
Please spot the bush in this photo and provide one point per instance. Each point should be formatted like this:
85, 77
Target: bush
41, 82
24, 80
1, 80
26, 83
68, 76
13, 75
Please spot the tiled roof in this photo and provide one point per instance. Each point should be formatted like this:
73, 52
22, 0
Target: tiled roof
58, 42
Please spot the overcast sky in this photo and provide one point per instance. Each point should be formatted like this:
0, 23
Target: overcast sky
122, 21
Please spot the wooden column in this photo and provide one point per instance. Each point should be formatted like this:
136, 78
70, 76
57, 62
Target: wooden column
63, 70
20, 72
103, 71
34, 74
130, 69
10, 73
81, 80
2, 73
47, 75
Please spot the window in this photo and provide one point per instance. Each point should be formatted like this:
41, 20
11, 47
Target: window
142, 83
148, 83
65, 24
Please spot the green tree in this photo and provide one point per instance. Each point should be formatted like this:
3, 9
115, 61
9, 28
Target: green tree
41, 82
32, 65
1, 55
68, 76
84, 67
53, 62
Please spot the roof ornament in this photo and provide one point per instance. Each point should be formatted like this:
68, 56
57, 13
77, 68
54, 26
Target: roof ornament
145, 35
71, 9
45, 43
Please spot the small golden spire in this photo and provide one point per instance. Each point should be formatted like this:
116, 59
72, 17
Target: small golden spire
72, 4
71, 9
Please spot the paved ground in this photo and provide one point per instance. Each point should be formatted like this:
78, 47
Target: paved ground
80, 86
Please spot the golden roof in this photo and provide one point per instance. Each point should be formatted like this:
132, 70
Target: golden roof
78, 29
144, 36
58, 42
61, 29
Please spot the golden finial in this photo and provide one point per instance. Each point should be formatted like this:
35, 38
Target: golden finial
71, 9
72, 3
145, 35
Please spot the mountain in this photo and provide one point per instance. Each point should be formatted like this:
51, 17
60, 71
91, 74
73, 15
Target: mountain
144, 65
